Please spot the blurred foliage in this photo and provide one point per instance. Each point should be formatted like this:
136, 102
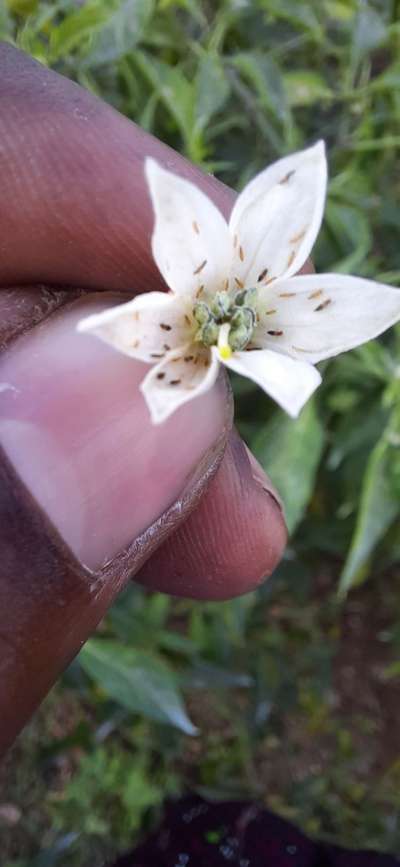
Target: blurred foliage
233, 84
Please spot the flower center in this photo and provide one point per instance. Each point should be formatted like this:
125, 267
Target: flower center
226, 321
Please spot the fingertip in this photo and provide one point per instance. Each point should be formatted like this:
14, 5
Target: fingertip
231, 542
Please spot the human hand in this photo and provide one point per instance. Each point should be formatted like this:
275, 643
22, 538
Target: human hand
92, 493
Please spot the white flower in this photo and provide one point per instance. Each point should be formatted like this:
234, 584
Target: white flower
233, 294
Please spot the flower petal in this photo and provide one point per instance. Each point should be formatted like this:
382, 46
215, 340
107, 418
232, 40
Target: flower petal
183, 375
290, 383
191, 243
315, 316
276, 218
146, 328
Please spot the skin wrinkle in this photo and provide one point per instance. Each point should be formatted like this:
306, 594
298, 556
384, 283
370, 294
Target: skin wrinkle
22, 308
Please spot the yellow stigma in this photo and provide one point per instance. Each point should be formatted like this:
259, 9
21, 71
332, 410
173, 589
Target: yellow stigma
224, 349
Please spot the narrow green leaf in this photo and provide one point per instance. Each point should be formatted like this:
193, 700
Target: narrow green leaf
290, 450
351, 230
173, 89
303, 87
76, 28
211, 89
139, 681
122, 32
369, 32
377, 510
263, 74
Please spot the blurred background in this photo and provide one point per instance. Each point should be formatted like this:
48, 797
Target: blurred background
290, 695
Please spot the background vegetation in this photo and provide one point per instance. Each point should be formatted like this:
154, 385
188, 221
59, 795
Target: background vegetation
291, 694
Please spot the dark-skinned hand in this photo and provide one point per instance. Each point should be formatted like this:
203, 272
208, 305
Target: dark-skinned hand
92, 494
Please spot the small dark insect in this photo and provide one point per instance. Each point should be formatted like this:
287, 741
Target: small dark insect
275, 333
165, 327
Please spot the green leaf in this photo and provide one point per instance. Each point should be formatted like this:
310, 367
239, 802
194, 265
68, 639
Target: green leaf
122, 32
377, 510
290, 450
174, 91
76, 28
351, 230
211, 89
137, 680
369, 32
265, 77
305, 88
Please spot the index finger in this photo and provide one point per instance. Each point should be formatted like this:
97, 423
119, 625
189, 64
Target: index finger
74, 197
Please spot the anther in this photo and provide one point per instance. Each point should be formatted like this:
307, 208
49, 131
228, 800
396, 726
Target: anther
200, 267
323, 305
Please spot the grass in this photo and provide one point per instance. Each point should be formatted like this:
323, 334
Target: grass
294, 689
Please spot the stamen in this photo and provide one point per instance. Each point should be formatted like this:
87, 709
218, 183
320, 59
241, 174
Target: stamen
270, 312
323, 305
200, 268
223, 345
241, 254
316, 294
160, 375
187, 319
287, 295
200, 290
262, 275
196, 227
275, 333
165, 327
287, 177
290, 259
239, 283
175, 381
297, 238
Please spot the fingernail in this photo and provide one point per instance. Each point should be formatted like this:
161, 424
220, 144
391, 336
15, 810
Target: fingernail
75, 426
262, 480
